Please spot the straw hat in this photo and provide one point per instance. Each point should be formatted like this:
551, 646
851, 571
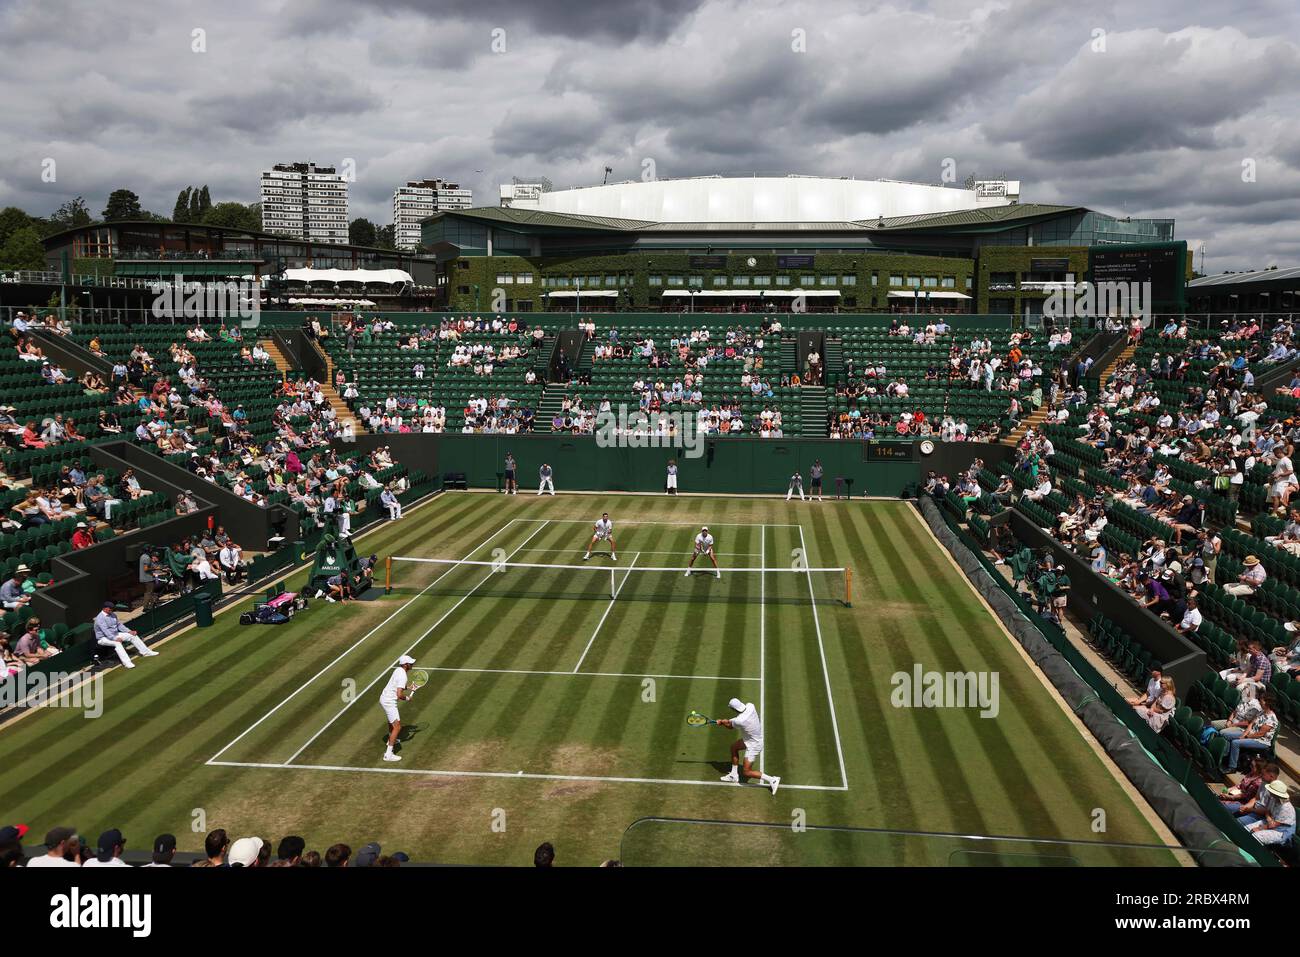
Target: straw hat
1250, 561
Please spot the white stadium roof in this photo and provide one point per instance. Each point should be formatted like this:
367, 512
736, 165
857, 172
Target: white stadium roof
760, 199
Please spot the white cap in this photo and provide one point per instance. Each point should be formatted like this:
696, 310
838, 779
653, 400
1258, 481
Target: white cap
245, 851
406, 660
737, 705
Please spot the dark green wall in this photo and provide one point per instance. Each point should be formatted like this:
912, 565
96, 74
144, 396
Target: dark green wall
738, 466
483, 270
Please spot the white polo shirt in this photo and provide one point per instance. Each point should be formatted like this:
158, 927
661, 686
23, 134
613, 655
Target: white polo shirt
396, 681
750, 726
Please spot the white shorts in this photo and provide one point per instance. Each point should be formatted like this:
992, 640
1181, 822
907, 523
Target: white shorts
390, 712
672, 481
602, 536
752, 752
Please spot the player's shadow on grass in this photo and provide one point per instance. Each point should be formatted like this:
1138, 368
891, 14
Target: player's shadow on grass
722, 766
408, 732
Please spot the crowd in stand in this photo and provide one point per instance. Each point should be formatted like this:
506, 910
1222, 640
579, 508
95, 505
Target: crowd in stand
1218, 421
65, 847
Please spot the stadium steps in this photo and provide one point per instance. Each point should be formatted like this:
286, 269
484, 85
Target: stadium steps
833, 360
789, 355
550, 403
1031, 421
812, 411
341, 410
586, 358
1118, 363
542, 361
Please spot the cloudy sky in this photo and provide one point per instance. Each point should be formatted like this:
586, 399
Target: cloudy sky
1187, 109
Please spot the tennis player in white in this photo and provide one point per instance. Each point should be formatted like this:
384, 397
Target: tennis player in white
394, 692
750, 726
604, 532
703, 546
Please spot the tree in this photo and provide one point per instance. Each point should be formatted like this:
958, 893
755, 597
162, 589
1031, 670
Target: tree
181, 211
12, 219
234, 216
205, 203
386, 238
23, 250
71, 214
362, 232
122, 204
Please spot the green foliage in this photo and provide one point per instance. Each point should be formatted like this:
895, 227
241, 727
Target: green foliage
12, 219
122, 205
362, 232
71, 214
23, 250
234, 216
181, 211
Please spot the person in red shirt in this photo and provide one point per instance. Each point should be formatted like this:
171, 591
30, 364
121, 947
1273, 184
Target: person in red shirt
82, 537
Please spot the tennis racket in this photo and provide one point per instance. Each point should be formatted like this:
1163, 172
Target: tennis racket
419, 678
697, 720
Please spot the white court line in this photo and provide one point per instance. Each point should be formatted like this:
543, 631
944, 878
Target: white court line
591, 674
608, 608
762, 633
426, 634
347, 651
835, 725
523, 775
583, 521
574, 551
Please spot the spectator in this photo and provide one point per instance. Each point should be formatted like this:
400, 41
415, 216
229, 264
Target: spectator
82, 537
12, 595
108, 852
289, 853
1273, 819
57, 841
164, 849
1249, 581
215, 846
111, 633
338, 855
1158, 713
245, 852
1258, 737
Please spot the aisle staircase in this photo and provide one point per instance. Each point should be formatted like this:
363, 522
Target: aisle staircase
789, 355
833, 361
812, 411
341, 410
548, 405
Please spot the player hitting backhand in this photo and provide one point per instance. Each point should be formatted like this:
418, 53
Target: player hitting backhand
750, 726
396, 690
703, 546
604, 532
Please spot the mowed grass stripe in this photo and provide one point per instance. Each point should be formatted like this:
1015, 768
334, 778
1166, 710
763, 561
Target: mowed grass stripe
274, 739
872, 746
799, 734
200, 674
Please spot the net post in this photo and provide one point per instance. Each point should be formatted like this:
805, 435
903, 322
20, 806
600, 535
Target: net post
388, 575
613, 592
848, 587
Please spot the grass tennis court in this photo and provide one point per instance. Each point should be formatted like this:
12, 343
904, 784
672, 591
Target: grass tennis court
554, 712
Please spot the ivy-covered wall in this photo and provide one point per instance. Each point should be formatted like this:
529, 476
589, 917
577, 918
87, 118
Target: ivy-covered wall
467, 272
1017, 259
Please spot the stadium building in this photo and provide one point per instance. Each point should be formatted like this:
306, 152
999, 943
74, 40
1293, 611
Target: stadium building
755, 243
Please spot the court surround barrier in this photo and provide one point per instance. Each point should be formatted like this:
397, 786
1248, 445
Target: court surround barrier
685, 842
1167, 780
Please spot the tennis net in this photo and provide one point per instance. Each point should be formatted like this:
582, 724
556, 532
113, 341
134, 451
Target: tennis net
628, 580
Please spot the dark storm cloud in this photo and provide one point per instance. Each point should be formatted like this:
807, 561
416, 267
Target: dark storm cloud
1158, 124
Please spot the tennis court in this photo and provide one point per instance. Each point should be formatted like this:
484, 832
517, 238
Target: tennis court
634, 641
555, 710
